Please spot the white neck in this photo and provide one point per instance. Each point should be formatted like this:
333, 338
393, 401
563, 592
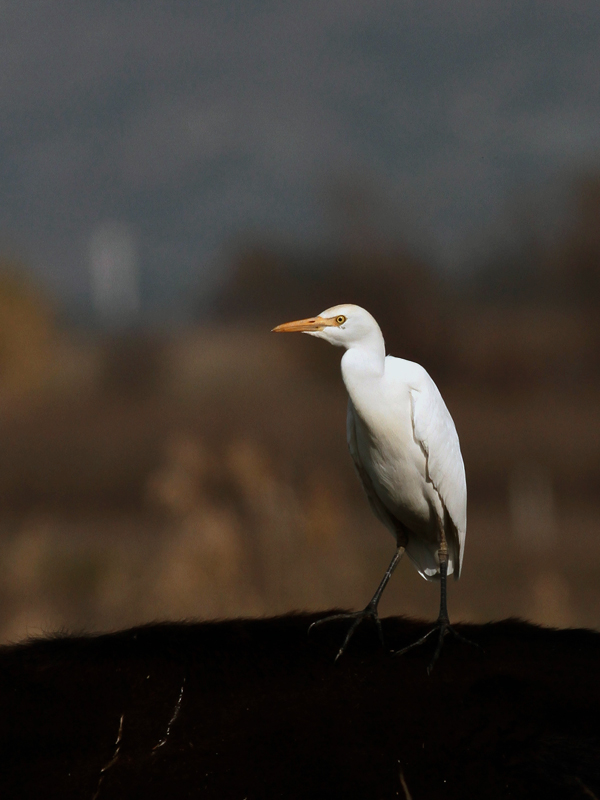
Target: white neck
364, 361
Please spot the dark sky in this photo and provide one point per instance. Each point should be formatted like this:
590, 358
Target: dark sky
190, 123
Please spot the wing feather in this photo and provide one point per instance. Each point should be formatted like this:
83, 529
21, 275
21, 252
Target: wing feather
436, 434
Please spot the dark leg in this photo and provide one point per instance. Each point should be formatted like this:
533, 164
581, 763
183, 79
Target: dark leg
442, 625
369, 612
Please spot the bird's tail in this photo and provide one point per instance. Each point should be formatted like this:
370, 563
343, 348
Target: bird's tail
424, 556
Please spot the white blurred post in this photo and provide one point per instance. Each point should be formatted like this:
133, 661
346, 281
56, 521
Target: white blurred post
114, 273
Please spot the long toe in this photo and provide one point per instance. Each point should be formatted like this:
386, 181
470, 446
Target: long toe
331, 618
462, 638
418, 643
443, 629
356, 617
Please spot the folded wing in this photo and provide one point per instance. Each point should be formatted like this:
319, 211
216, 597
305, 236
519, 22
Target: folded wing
436, 434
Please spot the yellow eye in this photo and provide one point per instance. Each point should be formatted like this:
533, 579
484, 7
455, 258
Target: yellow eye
341, 319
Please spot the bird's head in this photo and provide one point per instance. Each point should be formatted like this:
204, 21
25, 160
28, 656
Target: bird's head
345, 326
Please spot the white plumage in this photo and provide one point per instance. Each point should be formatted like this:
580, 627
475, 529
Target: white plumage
405, 449
404, 445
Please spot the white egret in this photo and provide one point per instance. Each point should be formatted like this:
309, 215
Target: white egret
406, 451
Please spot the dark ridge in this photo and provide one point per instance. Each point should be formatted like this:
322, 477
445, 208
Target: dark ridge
255, 709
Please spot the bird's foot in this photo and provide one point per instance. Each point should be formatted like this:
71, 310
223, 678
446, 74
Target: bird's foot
370, 612
443, 629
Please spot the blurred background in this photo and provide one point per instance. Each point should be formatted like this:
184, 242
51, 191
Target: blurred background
178, 178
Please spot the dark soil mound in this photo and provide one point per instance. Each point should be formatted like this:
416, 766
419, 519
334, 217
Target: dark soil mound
255, 709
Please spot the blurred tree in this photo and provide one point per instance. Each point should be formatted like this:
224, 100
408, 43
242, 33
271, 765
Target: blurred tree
366, 265
27, 331
400, 291
576, 262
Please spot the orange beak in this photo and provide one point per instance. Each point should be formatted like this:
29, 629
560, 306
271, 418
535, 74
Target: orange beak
303, 325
